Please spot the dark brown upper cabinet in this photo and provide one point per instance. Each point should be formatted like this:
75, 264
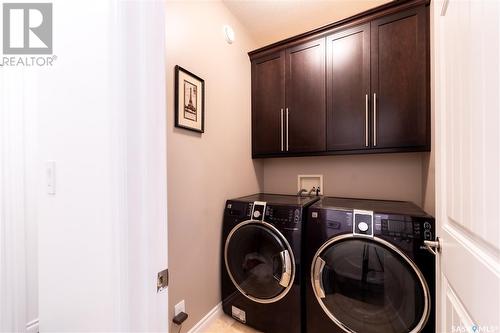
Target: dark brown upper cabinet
305, 97
361, 85
348, 89
400, 79
288, 100
268, 100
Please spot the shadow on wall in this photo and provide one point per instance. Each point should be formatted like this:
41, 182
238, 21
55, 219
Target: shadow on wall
428, 184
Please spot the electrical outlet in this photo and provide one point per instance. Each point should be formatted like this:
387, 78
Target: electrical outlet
307, 182
179, 307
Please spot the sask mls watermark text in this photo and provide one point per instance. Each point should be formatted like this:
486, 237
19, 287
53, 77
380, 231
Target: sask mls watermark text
27, 35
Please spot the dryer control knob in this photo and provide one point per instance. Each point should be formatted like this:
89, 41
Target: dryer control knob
256, 214
363, 226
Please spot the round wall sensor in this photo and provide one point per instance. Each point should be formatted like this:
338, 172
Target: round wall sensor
229, 34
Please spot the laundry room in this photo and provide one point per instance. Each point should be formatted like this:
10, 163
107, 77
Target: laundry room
250, 166
305, 98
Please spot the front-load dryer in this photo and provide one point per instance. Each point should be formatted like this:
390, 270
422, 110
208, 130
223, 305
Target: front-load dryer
261, 264
369, 269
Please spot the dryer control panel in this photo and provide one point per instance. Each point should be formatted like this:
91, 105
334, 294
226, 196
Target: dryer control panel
419, 229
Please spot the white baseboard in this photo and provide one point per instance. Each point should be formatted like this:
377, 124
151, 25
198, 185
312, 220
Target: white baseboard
206, 321
32, 326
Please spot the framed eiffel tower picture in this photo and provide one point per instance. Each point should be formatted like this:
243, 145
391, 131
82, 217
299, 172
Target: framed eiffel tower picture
189, 100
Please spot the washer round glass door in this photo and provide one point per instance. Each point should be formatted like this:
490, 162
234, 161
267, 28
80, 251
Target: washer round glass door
367, 285
259, 261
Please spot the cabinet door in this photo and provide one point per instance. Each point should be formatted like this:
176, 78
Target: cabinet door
400, 79
268, 101
305, 98
348, 89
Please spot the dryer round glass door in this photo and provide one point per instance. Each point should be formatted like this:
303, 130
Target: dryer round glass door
259, 261
368, 285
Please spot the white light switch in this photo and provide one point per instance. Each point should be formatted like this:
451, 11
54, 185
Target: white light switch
50, 175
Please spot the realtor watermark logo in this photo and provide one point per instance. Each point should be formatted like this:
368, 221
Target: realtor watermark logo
27, 30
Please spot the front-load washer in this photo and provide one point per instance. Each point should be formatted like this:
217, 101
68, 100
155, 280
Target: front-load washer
370, 271
261, 266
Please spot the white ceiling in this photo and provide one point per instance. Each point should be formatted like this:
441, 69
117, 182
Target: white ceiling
269, 21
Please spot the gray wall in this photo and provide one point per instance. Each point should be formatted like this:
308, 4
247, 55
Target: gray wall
205, 170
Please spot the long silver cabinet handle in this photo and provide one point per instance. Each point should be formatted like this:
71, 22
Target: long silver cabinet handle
319, 264
281, 133
374, 119
286, 272
366, 120
287, 115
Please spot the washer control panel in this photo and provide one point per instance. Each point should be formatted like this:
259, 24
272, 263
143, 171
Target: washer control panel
258, 210
363, 223
283, 216
287, 217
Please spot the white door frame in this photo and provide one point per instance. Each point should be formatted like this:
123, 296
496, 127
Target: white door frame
13, 302
142, 158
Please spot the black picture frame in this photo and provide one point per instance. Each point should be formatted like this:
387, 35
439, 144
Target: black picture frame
189, 109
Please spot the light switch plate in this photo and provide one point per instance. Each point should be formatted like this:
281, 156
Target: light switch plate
162, 281
307, 182
50, 175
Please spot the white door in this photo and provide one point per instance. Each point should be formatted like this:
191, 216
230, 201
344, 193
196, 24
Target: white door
466, 39
102, 235
99, 115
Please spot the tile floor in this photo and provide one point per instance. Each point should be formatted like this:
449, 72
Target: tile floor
226, 324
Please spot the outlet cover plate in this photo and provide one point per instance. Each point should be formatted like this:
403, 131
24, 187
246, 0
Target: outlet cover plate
307, 182
179, 307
